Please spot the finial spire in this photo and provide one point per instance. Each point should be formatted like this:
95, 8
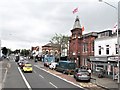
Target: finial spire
77, 23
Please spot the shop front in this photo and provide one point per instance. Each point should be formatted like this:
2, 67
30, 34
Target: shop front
112, 66
109, 64
98, 62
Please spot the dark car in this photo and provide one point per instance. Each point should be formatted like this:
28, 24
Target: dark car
66, 67
82, 75
17, 58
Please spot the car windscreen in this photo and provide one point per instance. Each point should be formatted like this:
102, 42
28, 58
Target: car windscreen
28, 66
50, 59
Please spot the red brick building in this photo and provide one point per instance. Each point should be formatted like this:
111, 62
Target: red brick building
74, 48
87, 48
81, 46
50, 49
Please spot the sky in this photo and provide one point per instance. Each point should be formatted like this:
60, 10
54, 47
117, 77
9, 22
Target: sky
26, 23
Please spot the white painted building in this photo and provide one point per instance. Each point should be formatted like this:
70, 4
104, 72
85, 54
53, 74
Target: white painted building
105, 52
105, 46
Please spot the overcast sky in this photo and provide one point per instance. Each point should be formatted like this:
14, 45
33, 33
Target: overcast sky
26, 23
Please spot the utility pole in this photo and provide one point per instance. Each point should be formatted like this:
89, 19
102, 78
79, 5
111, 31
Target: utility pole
118, 45
0, 48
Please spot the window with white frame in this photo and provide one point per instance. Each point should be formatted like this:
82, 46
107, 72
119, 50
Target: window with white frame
107, 49
99, 50
92, 46
116, 48
106, 33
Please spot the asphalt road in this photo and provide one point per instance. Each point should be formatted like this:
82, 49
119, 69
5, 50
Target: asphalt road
39, 78
13, 78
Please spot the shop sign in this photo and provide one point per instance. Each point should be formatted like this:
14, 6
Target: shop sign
112, 58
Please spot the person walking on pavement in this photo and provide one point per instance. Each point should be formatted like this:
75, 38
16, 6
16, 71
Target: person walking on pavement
89, 70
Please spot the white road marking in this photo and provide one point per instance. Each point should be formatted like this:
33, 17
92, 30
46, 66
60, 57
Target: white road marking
26, 82
8, 65
34, 71
59, 77
53, 85
6, 70
41, 76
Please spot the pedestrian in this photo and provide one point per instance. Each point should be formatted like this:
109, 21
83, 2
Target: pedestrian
89, 70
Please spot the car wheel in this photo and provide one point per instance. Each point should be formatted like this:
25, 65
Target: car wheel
89, 80
74, 76
76, 79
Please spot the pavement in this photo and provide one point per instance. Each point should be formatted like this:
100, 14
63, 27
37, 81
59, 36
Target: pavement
106, 83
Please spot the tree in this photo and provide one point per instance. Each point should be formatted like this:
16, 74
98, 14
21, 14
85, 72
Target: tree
4, 50
61, 40
25, 52
9, 51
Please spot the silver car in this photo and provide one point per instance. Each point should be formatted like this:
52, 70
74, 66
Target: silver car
82, 75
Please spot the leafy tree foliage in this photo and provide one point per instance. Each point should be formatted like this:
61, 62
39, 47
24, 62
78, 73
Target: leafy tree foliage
25, 52
61, 40
4, 50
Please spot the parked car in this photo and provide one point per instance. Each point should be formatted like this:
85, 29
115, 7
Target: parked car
53, 65
82, 74
27, 67
66, 67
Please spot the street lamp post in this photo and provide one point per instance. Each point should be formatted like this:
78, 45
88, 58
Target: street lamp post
108, 4
0, 48
118, 46
117, 38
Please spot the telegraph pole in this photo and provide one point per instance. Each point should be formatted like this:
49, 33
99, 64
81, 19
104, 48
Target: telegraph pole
118, 45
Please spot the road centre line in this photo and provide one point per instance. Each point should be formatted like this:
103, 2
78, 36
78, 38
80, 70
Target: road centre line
41, 76
53, 85
34, 71
59, 77
25, 80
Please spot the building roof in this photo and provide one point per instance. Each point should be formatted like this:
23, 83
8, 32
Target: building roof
105, 31
77, 23
90, 34
51, 45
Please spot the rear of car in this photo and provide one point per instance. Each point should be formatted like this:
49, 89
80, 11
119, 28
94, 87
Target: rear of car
27, 68
82, 75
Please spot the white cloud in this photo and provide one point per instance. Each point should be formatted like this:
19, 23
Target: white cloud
24, 23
